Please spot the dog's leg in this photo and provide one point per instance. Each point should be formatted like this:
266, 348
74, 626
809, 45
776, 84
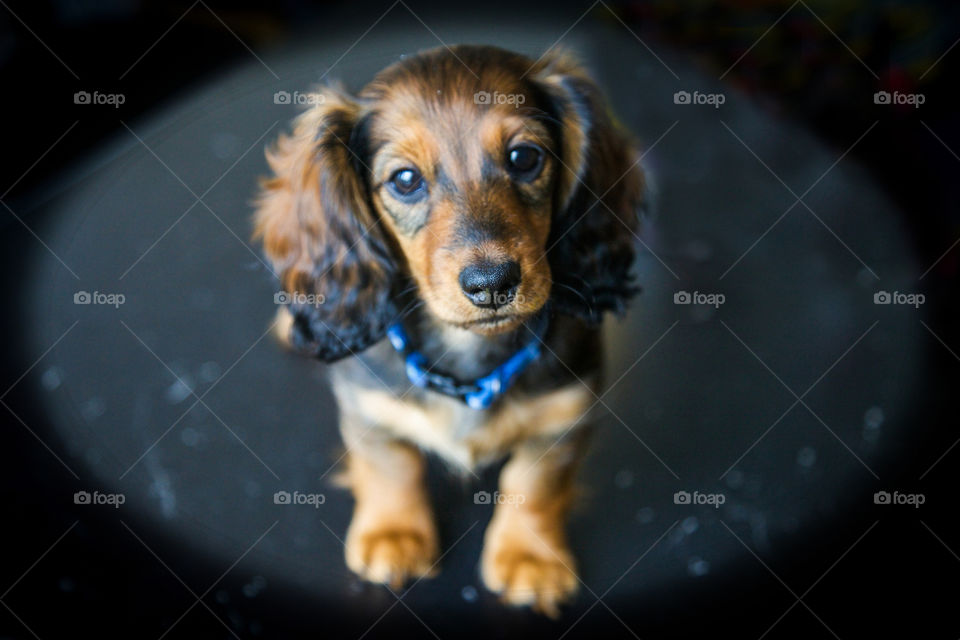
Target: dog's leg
525, 554
392, 536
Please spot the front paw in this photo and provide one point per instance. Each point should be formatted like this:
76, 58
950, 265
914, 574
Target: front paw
527, 569
391, 553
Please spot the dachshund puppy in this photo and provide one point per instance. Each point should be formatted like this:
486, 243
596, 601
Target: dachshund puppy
450, 239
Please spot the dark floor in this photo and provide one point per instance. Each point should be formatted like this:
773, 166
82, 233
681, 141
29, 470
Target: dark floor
795, 400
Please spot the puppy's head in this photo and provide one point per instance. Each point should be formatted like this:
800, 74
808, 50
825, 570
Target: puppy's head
493, 182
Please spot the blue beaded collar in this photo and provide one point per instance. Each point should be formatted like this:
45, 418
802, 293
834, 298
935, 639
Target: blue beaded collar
482, 392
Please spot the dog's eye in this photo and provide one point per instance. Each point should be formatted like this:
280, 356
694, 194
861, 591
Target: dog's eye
524, 162
407, 184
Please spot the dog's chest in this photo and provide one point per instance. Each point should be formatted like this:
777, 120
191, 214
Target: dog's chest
374, 392
467, 437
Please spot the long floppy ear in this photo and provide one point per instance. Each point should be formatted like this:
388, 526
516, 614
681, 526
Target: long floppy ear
316, 222
599, 193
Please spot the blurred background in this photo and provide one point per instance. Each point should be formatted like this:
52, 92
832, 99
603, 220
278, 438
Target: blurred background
815, 63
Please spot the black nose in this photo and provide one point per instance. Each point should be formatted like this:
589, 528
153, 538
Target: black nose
490, 286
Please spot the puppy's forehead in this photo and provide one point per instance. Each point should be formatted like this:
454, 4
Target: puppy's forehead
455, 104
457, 72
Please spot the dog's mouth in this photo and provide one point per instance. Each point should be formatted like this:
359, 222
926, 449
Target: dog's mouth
494, 321
493, 324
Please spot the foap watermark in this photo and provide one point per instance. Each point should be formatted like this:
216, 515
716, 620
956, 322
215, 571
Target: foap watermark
712, 499
899, 98
712, 99
285, 97
297, 498
498, 298
98, 297
485, 497
96, 498
111, 99
911, 499
485, 97
897, 297
712, 299
300, 298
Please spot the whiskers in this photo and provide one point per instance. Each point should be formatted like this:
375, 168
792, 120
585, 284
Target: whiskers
587, 302
417, 303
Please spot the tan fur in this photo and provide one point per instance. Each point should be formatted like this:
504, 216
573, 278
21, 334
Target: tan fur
282, 326
526, 557
327, 230
391, 536
434, 426
432, 261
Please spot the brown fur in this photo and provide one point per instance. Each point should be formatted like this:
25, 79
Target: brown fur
332, 227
